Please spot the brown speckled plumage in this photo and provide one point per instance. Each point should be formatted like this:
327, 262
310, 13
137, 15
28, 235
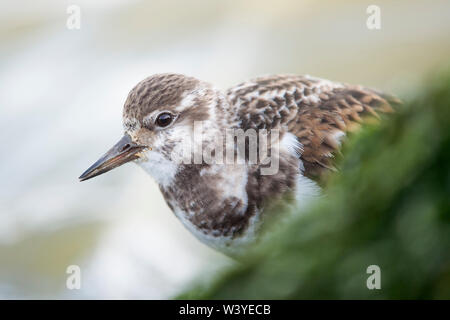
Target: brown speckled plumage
284, 101
220, 204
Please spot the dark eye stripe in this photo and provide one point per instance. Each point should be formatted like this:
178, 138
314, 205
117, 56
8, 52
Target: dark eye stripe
164, 119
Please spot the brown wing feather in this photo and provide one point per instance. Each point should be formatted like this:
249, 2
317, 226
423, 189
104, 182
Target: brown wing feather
317, 111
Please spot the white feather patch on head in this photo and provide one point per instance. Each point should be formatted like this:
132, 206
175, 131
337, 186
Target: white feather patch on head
189, 98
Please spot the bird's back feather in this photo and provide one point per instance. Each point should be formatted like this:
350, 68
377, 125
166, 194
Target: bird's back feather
318, 112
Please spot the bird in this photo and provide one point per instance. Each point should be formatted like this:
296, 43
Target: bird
226, 204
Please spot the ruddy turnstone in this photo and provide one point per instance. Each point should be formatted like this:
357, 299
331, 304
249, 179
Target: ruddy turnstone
224, 202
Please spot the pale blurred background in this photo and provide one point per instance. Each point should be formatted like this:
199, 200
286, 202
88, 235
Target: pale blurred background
61, 98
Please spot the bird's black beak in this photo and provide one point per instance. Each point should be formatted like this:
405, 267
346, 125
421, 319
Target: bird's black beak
123, 151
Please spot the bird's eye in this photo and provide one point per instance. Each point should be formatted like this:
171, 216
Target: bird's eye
164, 119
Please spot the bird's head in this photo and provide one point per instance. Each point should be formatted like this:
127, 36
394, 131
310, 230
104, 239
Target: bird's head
158, 118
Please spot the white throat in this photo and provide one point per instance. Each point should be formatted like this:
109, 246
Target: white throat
159, 167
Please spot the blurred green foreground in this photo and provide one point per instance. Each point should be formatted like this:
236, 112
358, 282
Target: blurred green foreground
389, 206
